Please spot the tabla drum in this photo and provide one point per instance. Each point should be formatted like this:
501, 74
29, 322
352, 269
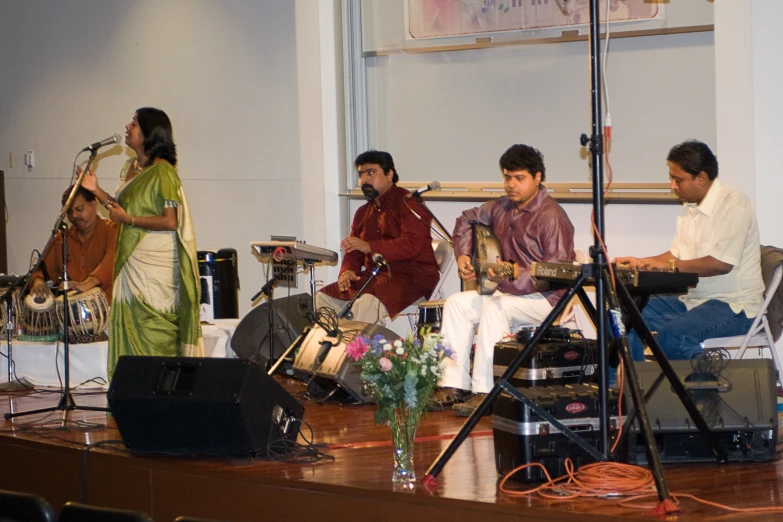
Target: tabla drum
430, 316
89, 314
37, 320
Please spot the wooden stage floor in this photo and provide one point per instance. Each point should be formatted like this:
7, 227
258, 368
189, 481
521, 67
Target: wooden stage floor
38, 456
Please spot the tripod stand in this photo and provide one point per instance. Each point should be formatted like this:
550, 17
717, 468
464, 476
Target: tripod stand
66, 403
609, 311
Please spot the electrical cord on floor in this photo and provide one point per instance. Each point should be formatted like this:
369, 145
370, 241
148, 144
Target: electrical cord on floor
83, 465
292, 452
612, 479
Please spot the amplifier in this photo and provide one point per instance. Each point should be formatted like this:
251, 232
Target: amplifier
737, 398
323, 357
563, 356
523, 437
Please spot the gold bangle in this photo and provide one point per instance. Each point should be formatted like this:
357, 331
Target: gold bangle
672, 265
133, 221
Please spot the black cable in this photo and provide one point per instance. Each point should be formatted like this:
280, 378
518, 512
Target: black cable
83, 465
292, 452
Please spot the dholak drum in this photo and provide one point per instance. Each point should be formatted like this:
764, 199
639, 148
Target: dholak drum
38, 321
89, 314
430, 317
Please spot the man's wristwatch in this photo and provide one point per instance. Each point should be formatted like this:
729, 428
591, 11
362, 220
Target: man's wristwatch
672, 265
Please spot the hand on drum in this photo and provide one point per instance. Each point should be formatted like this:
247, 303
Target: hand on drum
465, 269
40, 291
83, 286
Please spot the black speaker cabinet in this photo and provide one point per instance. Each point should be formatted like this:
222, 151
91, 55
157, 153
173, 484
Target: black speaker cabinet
736, 398
251, 338
200, 406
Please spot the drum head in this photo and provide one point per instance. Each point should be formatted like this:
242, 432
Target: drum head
37, 303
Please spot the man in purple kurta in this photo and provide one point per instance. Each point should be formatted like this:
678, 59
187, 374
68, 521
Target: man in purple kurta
394, 225
530, 226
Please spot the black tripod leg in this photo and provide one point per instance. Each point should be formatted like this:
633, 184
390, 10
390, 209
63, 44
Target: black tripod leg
636, 394
437, 466
637, 322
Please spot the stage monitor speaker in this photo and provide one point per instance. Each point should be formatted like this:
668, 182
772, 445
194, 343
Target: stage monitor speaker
323, 356
737, 399
250, 339
200, 406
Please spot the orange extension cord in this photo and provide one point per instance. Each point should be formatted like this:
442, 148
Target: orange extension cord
604, 479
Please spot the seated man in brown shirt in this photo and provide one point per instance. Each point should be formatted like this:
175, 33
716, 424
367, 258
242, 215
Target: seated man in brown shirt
91, 245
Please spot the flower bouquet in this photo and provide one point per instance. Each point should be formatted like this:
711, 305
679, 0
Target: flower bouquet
401, 376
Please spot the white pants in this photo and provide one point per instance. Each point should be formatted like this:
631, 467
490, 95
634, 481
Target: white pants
366, 309
497, 315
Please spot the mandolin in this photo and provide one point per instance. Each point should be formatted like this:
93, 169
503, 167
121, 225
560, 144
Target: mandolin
486, 253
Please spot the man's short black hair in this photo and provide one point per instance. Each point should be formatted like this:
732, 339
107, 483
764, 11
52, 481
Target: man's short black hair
693, 157
523, 157
83, 192
378, 157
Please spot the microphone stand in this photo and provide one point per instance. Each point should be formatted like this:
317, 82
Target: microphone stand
609, 303
443, 231
268, 290
347, 308
66, 403
7, 298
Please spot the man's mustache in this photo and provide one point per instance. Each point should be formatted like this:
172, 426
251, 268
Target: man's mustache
369, 191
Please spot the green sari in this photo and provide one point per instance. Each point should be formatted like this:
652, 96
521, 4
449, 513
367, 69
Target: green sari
155, 306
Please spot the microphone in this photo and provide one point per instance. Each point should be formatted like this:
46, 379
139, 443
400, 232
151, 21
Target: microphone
98, 144
378, 259
435, 185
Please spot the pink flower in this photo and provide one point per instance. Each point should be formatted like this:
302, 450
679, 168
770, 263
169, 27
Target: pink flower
357, 348
385, 363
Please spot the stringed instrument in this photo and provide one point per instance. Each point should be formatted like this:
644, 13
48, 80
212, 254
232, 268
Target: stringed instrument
486, 256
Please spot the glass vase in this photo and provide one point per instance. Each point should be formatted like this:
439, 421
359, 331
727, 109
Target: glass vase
403, 425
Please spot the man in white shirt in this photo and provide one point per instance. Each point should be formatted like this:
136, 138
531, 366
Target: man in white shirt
718, 239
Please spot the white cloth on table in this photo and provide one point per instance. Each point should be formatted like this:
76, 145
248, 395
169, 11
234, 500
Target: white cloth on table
35, 362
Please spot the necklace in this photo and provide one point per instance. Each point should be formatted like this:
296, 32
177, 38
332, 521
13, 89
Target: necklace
137, 168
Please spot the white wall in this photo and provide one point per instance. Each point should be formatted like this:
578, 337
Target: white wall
225, 72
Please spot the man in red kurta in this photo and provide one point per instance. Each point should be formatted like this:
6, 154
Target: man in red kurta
394, 225
91, 245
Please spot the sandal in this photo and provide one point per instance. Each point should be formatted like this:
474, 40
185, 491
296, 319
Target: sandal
446, 398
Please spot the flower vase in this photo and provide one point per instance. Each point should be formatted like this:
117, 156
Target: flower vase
403, 425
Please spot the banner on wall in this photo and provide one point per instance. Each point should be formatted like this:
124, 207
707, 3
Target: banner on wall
437, 18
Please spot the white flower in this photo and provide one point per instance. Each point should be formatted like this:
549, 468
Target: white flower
398, 351
397, 343
423, 371
387, 347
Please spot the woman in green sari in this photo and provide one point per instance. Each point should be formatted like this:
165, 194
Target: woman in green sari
155, 306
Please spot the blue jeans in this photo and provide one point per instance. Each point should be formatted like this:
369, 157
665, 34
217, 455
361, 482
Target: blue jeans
680, 331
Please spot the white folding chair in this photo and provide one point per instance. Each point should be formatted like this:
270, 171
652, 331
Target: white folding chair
759, 336
444, 256
571, 316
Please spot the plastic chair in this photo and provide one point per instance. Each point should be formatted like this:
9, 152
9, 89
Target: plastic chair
24, 507
76, 512
444, 256
759, 336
